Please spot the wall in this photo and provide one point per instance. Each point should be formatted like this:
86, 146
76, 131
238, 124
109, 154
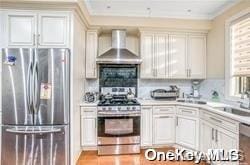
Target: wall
77, 85
150, 22
216, 41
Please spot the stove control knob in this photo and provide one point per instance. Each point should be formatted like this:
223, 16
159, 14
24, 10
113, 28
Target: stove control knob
119, 108
133, 108
103, 108
128, 108
110, 108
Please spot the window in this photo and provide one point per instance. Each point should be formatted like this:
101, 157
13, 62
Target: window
238, 52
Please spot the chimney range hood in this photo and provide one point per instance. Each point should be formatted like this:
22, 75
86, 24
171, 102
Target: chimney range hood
118, 54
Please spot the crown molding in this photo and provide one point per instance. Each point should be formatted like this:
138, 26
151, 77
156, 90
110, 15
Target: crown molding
38, 5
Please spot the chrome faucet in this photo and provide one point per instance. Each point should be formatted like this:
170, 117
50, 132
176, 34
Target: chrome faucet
246, 93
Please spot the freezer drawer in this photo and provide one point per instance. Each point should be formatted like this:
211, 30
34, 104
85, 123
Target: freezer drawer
35, 145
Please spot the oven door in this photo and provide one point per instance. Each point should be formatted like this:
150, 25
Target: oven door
118, 130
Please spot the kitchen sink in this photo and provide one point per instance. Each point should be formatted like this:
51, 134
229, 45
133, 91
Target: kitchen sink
192, 101
236, 111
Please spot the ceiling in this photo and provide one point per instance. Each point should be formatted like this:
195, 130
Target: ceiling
187, 9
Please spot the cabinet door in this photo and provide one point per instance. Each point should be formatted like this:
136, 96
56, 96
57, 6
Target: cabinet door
91, 54
21, 29
187, 132
88, 131
147, 55
226, 140
207, 136
146, 126
53, 30
163, 129
178, 56
161, 56
197, 56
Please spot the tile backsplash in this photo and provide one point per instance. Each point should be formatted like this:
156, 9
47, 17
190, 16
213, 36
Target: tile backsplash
145, 86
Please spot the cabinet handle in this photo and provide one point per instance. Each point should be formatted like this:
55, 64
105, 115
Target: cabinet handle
187, 111
216, 136
164, 117
163, 109
212, 134
177, 122
88, 111
218, 121
190, 72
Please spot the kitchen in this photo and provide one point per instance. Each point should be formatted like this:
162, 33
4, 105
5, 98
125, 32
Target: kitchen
100, 82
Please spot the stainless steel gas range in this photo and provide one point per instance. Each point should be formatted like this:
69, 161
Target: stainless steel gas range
118, 124
119, 113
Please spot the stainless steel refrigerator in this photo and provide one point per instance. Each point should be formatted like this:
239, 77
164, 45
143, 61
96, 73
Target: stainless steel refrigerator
35, 106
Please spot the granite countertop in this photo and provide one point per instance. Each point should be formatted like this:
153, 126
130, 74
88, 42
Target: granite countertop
210, 106
86, 104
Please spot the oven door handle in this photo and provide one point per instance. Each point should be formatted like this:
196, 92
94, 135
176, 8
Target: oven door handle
103, 114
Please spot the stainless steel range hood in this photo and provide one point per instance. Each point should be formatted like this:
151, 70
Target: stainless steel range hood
118, 54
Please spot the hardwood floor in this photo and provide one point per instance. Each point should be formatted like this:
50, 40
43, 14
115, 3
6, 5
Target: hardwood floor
91, 158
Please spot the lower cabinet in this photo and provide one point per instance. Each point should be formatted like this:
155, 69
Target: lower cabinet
215, 137
187, 131
88, 127
163, 129
146, 126
206, 136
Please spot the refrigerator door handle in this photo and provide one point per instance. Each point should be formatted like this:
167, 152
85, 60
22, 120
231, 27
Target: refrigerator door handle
29, 88
35, 87
33, 131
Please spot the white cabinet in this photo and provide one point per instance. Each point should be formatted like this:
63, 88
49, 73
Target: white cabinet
53, 29
88, 126
207, 136
161, 56
178, 56
187, 131
88, 131
37, 29
146, 126
21, 28
214, 137
147, 55
197, 56
91, 54
164, 129
173, 55
154, 54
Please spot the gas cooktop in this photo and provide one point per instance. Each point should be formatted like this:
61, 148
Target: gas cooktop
118, 102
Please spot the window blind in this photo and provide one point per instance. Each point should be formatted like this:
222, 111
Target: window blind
240, 47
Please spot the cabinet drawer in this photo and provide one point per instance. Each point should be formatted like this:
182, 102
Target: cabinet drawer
187, 111
88, 111
220, 121
163, 109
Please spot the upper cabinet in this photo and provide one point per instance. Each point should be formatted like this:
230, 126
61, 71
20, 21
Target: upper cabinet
173, 55
91, 54
21, 29
147, 51
197, 56
53, 29
177, 56
35, 29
